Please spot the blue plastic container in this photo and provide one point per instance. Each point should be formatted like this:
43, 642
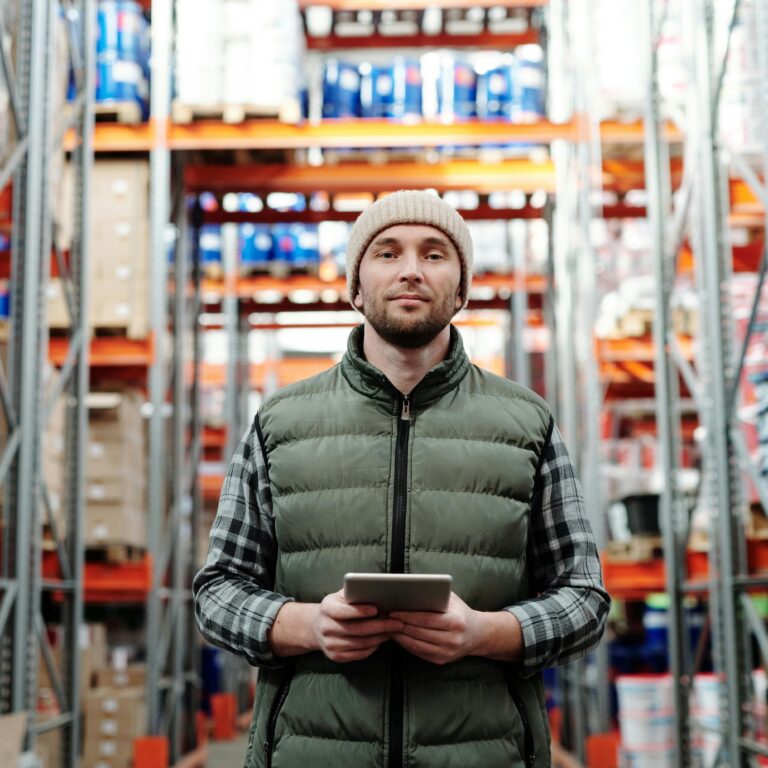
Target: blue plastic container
377, 91
283, 242
122, 57
408, 86
496, 92
210, 244
457, 90
5, 301
255, 244
307, 244
529, 84
341, 89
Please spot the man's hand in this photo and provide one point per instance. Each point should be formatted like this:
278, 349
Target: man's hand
442, 638
346, 632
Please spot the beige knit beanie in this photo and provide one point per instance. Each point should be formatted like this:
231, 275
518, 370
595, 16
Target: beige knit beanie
408, 207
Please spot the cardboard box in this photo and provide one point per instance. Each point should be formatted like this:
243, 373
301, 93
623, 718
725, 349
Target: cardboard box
105, 762
117, 751
132, 676
117, 714
12, 731
115, 523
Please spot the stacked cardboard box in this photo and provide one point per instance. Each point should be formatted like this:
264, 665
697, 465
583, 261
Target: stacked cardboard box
114, 717
115, 476
119, 248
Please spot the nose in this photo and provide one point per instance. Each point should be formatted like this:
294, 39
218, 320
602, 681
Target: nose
410, 267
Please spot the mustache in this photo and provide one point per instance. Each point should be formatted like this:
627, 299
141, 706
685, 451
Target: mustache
409, 291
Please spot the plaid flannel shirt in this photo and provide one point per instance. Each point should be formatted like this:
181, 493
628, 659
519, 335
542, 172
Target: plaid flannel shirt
235, 603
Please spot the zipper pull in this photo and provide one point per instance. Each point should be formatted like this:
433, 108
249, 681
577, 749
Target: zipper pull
405, 413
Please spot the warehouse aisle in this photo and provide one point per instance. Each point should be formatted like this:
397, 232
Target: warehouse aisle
227, 754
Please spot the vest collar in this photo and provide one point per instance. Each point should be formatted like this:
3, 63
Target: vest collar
371, 382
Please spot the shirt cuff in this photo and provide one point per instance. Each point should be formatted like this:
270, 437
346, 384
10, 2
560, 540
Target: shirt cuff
541, 636
261, 654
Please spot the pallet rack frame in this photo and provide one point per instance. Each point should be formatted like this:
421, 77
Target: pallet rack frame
27, 406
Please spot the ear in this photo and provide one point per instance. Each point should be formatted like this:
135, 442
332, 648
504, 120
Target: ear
358, 300
458, 301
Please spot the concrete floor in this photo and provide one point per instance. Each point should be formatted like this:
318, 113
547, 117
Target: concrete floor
227, 754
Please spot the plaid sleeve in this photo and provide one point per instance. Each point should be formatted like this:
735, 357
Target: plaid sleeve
234, 602
567, 617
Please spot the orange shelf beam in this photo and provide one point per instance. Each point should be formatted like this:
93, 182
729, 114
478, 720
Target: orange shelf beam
641, 349
107, 351
108, 582
211, 486
361, 133
480, 40
482, 177
117, 137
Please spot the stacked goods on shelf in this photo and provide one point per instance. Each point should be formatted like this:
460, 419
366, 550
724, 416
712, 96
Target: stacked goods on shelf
647, 724
646, 720
236, 58
119, 249
122, 60
441, 85
114, 715
115, 494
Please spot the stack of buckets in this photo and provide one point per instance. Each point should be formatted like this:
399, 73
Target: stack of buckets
646, 721
647, 724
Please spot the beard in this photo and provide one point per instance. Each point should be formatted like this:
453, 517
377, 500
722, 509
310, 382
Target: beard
404, 331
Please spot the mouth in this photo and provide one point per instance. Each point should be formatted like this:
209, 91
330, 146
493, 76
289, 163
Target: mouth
409, 297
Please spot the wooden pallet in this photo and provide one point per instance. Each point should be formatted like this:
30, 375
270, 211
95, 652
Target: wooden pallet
127, 112
183, 114
638, 549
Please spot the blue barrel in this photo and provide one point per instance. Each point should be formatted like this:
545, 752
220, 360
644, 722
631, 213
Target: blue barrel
307, 248
120, 52
255, 244
495, 92
407, 86
529, 85
341, 89
210, 244
457, 89
377, 91
283, 242
5, 300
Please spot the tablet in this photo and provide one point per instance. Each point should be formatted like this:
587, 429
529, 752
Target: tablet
399, 591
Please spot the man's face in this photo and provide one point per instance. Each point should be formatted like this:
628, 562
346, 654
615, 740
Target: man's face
409, 283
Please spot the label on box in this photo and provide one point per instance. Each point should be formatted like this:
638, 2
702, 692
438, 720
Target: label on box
100, 531
123, 272
96, 450
123, 229
109, 705
108, 727
97, 492
107, 748
122, 310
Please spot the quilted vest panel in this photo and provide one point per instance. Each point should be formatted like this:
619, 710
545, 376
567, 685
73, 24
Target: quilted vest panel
472, 456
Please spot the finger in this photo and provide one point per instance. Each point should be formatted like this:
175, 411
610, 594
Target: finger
341, 643
443, 621
361, 628
342, 611
437, 637
427, 651
347, 656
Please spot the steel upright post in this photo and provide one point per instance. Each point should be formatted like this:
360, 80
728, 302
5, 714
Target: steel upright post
160, 185
657, 183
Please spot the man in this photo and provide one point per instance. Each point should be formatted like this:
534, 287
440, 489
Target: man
402, 458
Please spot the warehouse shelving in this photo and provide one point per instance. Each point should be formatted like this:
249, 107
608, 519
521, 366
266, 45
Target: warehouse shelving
24, 613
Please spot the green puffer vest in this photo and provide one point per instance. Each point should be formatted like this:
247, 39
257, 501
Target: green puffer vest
356, 487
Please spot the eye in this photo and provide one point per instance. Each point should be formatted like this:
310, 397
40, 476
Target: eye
386, 255
435, 256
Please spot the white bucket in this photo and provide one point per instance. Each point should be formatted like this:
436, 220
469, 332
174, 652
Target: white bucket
638, 731
644, 694
706, 691
650, 757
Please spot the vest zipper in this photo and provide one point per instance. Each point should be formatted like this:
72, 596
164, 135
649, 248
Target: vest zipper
530, 754
397, 565
274, 712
